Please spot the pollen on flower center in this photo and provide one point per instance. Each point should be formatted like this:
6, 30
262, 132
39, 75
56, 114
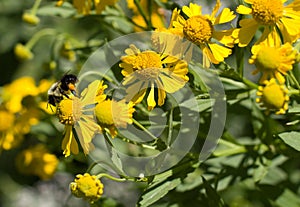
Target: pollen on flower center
147, 59
69, 111
267, 12
147, 73
268, 58
198, 29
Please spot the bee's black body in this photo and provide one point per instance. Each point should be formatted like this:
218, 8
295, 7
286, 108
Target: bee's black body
61, 88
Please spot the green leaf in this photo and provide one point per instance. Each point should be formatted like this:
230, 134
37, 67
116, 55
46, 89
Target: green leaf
292, 139
154, 194
288, 198
65, 11
214, 199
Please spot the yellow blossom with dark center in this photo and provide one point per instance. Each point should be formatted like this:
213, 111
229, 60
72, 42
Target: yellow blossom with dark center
273, 96
273, 61
78, 117
200, 29
37, 161
149, 69
88, 187
278, 20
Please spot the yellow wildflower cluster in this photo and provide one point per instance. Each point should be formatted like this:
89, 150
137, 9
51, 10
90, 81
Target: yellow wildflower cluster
19, 110
37, 161
87, 7
273, 53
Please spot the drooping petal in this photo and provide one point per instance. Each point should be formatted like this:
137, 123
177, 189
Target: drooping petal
241, 9
215, 10
246, 32
151, 99
225, 16
219, 52
69, 143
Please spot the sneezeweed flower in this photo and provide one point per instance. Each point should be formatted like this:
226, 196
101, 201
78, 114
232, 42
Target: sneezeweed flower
22, 52
87, 186
148, 69
200, 30
112, 115
85, 7
77, 114
272, 15
38, 161
273, 97
156, 16
14, 93
273, 61
8, 138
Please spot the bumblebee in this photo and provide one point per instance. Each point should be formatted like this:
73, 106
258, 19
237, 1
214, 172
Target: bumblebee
64, 87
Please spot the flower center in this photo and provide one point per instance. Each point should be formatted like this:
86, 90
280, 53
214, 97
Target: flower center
268, 58
103, 111
147, 59
147, 74
69, 111
6, 120
273, 96
198, 29
267, 12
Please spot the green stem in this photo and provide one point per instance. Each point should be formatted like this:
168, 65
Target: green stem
124, 139
294, 79
35, 6
111, 177
91, 167
142, 12
250, 83
294, 92
38, 35
143, 128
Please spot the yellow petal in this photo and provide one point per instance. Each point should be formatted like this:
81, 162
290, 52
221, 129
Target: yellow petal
69, 143
225, 37
291, 25
225, 16
219, 52
150, 99
247, 31
192, 10
241, 9
216, 9
88, 94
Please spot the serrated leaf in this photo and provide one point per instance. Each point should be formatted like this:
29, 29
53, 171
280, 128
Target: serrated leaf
153, 195
292, 139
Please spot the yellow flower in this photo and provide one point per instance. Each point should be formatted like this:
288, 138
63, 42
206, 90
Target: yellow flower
83, 6
14, 126
273, 96
273, 16
77, 114
156, 17
162, 73
200, 29
37, 161
14, 92
273, 61
87, 186
101, 4
113, 114
23, 52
